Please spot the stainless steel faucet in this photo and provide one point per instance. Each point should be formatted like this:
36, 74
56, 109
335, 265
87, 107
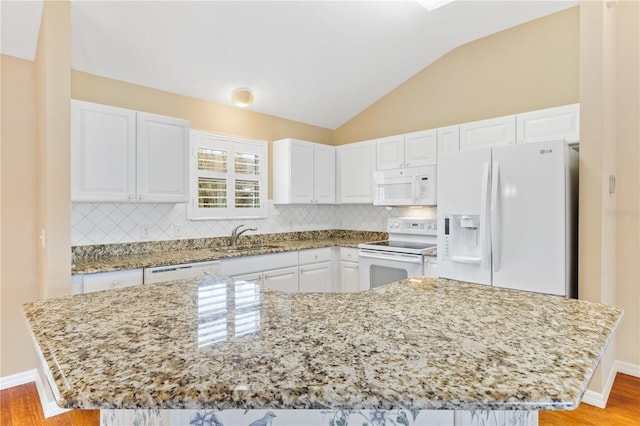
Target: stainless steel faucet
235, 234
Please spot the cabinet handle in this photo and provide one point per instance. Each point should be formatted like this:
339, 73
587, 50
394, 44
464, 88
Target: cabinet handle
277, 275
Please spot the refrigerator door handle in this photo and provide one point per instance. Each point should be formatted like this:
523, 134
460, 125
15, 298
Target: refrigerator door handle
485, 214
495, 216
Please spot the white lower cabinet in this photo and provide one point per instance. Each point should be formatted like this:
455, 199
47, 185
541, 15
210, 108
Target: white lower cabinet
254, 278
315, 270
278, 271
106, 281
349, 271
315, 277
284, 279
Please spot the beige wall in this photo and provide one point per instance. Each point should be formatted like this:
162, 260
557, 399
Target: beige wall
597, 272
19, 240
628, 179
610, 127
203, 115
532, 66
35, 182
53, 64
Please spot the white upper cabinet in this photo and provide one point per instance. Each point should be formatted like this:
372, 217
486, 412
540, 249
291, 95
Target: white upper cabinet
356, 165
163, 159
390, 152
421, 148
303, 172
559, 123
120, 155
485, 133
103, 153
448, 138
324, 174
408, 150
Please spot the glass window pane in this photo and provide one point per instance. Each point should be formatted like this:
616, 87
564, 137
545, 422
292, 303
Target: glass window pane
213, 160
247, 194
212, 193
247, 164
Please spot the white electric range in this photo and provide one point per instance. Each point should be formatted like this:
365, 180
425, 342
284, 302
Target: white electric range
399, 257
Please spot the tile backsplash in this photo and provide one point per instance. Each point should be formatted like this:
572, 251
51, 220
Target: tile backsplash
111, 223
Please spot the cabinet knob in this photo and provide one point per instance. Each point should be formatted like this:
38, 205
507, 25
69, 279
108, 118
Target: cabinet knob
131, 196
141, 197
114, 283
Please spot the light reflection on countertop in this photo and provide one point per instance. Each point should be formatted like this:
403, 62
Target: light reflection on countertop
226, 309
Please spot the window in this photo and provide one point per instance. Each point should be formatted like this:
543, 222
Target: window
228, 177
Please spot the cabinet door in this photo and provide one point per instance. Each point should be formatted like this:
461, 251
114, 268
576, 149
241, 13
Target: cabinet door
285, 279
486, 133
315, 277
324, 174
349, 276
390, 152
103, 153
112, 280
301, 164
356, 165
163, 159
560, 123
421, 148
448, 139
255, 278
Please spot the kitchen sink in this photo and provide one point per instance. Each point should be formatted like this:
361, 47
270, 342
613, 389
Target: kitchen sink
246, 249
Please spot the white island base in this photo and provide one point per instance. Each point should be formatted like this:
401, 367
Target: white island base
400, 417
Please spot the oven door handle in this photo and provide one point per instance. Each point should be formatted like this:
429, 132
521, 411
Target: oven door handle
393, 257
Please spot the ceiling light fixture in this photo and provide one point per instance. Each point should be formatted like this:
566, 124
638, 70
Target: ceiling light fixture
242, 97
432, 5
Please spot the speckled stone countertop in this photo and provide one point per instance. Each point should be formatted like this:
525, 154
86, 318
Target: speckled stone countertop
419, 343
115, 257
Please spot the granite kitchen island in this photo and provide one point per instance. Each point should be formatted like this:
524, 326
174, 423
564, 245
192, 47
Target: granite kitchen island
418, 344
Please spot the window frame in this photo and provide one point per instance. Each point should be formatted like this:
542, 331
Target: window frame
232, 145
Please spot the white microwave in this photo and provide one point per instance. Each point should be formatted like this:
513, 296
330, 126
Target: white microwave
411, 186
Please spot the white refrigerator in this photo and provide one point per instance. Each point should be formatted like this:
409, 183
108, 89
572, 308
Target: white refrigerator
507, 217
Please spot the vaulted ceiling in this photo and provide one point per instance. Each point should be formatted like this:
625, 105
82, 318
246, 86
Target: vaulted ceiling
317, 62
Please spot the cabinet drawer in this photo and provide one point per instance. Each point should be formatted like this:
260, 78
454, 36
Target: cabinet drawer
111, 280
349, 254
315, 255
264, 262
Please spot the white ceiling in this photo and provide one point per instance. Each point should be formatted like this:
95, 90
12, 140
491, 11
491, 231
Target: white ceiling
317, 62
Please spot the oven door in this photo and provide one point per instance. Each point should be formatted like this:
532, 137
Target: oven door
380, 267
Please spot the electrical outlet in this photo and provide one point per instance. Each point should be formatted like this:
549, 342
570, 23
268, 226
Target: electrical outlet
177, 229
144, 232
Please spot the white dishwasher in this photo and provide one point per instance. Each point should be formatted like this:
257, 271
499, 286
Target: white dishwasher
180, 272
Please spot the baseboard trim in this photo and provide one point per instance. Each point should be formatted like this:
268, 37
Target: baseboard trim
599, 399
628, 368
19, 379
49, 408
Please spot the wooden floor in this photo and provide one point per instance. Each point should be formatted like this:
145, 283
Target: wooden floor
623, 408
20, 406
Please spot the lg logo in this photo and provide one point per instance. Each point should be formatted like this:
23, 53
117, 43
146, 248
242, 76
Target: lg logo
545, 151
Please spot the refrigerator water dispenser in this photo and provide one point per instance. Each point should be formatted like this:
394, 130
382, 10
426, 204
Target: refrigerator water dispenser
462, 238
